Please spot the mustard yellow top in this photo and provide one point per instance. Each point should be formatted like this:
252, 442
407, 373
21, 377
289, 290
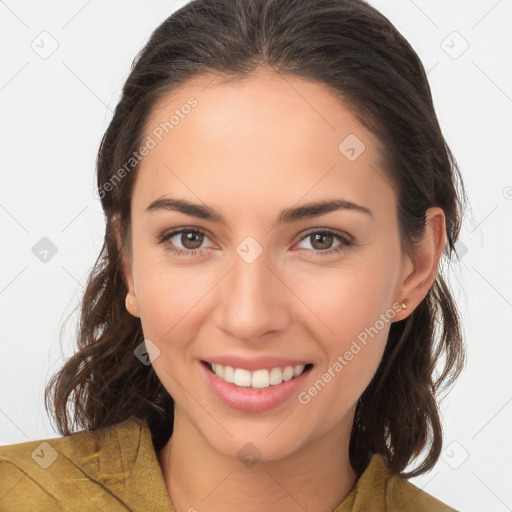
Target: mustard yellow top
116, 468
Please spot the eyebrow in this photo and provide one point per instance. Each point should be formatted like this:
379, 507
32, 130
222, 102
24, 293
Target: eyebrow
306, 211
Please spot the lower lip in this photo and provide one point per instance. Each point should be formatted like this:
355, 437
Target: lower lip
249, 399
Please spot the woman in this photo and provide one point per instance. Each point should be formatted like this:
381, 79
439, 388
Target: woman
263, 326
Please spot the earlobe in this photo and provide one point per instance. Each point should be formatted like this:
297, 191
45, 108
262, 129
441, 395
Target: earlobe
418, 281
131, 304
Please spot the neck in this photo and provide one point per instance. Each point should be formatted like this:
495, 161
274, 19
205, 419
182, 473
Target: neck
316, 477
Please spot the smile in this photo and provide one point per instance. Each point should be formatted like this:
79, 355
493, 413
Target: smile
248, 398
258, 379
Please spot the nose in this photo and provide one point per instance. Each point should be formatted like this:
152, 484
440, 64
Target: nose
254, 300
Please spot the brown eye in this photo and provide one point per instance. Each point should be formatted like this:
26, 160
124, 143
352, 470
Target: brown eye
185, 241
326, 242
321, 241
191, 239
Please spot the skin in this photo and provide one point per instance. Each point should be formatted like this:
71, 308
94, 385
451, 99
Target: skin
249, 150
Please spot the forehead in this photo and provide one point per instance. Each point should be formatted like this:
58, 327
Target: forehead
267, 138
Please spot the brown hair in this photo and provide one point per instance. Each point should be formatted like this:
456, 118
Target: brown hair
358, 54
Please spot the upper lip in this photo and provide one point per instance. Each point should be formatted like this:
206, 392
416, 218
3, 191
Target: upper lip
255, 362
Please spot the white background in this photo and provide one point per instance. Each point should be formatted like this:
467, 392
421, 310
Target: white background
55, 110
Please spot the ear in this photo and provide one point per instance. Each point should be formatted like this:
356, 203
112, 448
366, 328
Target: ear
126, 267
420, 270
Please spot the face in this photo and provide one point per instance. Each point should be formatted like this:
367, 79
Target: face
259, 289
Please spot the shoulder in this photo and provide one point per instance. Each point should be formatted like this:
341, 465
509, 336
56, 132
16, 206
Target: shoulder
401, 494
37, 475
43, 452
377, 490
407, 497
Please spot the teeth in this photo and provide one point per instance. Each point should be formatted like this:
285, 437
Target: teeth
242, 377
219, 370
259, 378
228, 373
288, 373
276, 376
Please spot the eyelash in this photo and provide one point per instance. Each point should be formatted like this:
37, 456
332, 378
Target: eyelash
345, 242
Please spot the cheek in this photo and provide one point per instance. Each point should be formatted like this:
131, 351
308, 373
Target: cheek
346, 300
169, 297
170, 308
354, 304
352, 355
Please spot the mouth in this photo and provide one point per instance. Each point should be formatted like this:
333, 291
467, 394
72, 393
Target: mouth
254, 391
257, 379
